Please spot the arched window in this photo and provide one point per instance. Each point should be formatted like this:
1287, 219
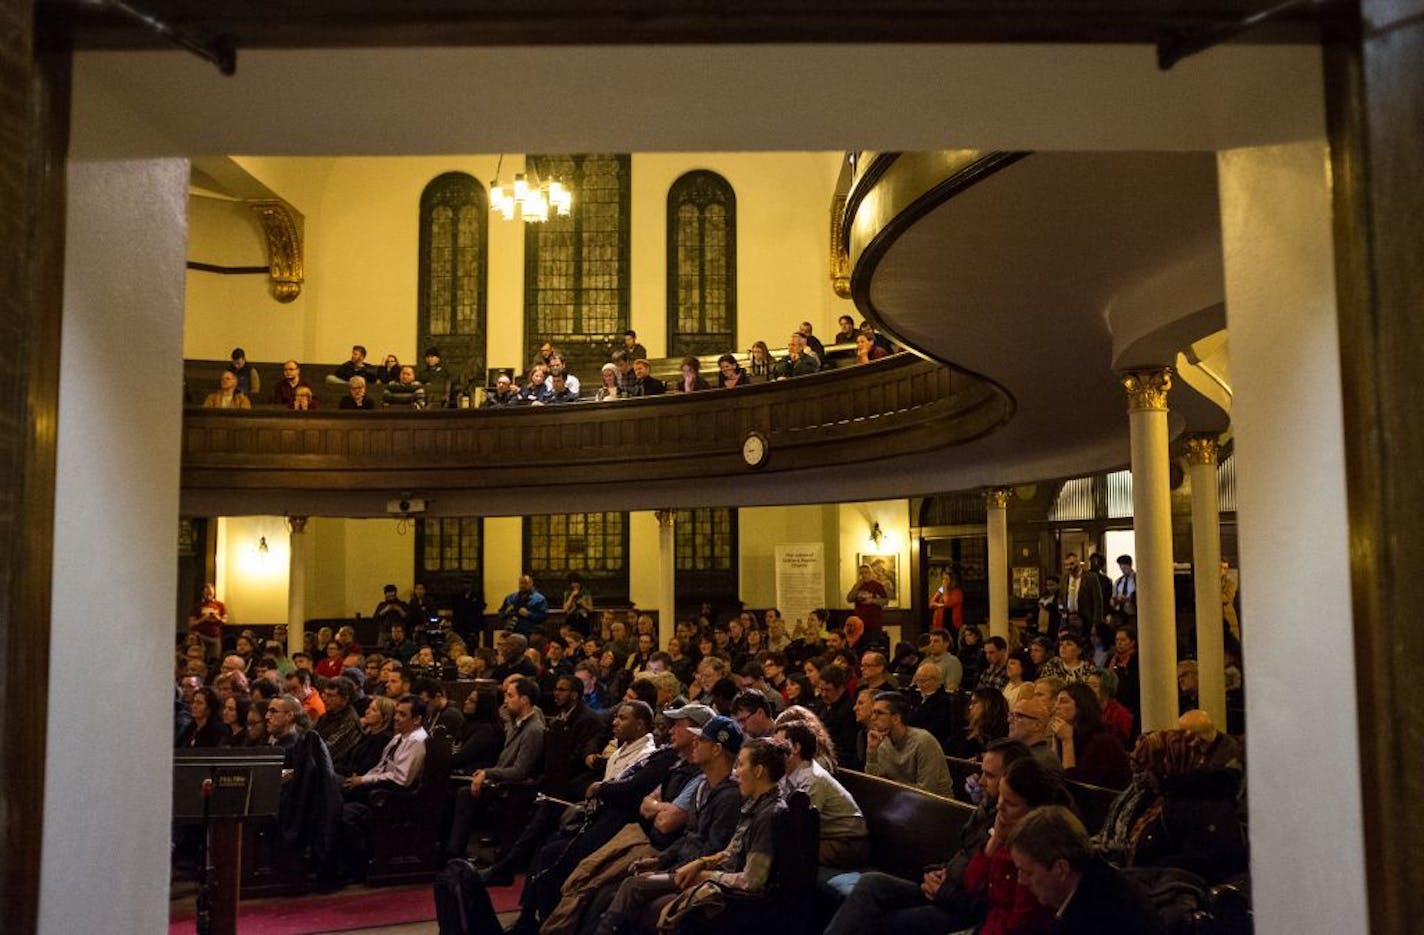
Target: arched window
453, 262
576, 267
705, 545
702, 265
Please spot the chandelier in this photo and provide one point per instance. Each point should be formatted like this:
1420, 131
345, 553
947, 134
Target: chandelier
529, 198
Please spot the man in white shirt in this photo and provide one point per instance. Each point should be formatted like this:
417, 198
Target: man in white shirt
845, 841
399, 765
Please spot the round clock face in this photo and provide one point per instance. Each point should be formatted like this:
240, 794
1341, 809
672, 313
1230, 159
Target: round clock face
754, 449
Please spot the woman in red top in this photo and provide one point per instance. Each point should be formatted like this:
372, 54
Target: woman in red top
331, 666
948, 598
991, 876
1088, 748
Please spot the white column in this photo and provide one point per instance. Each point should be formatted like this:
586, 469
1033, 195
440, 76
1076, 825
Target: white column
1307, 844
296, 584
1206, 576
996, 502
667, 573
1152, 530
108, 793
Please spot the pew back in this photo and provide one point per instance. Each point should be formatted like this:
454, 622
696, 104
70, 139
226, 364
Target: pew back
909, 827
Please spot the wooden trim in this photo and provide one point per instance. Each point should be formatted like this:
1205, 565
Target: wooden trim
32, 164
895, 406
341, 23
1374, 95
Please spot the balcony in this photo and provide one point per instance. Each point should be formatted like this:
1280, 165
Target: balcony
674, 450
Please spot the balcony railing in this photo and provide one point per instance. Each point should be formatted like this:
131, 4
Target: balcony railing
899, 405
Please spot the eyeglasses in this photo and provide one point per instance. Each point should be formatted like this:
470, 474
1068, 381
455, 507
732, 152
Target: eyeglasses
1020, 716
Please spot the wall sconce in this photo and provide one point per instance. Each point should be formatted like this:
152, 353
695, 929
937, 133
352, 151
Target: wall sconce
262, 545
876, 535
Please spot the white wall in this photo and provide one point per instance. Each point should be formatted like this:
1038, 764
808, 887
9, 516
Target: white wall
108, 795
1307, 848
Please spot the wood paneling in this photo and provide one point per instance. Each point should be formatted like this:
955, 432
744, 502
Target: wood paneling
899, 405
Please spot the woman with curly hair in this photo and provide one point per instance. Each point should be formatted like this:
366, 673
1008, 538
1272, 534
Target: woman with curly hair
825, 747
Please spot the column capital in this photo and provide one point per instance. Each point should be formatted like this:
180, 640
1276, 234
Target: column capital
1147, 389
665, 517
1201, 449
997, 498
298, 524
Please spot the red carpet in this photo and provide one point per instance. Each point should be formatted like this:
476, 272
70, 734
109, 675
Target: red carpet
355, 907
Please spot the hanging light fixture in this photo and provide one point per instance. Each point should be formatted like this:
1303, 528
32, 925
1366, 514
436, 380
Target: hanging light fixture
530, 199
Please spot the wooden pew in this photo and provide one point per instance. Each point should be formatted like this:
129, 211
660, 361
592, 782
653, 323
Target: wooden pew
909, 827
1093, 803
403, 834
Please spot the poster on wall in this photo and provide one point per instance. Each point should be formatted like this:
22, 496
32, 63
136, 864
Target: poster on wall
800, 579
886, 569
1026, 582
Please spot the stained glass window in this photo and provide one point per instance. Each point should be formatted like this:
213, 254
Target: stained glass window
702, 264
593, 544
453, 263
450, 543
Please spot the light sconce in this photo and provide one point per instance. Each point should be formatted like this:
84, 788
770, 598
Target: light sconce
262, 545
876, 535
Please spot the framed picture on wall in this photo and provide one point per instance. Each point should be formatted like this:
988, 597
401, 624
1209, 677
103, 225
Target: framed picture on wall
1026, 582
886, 569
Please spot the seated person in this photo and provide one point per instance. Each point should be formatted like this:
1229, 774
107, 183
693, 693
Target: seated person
1088, 749
835, 706
635, 768
643, 382
398, 767
339, 726
937, 904
561, 393
940, 711
303, 399
557, 370
519, 760
436, 380
438, 709
505, 394
798, 361
845, 841
895, 750
356, 366
357, 398
376, 734
537, 389
1084, 892
285, 392
227, 395
691, 380
405, 393
752, 711
1069, 665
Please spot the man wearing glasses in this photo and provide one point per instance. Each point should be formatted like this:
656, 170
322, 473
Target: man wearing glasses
1028, 723
894, 750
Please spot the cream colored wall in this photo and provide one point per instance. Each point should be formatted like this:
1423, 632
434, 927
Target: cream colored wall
783, 218
253, 584
361, 232
644, 559
761, 529
503, 557
855, 520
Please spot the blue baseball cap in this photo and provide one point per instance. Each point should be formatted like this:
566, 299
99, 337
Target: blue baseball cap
721, 730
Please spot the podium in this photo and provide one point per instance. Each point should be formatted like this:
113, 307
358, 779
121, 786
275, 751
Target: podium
222, 787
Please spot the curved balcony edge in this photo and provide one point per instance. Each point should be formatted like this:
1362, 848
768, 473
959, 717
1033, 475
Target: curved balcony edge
901, 405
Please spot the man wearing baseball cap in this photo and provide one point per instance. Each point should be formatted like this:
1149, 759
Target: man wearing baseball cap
714, 802
664, 811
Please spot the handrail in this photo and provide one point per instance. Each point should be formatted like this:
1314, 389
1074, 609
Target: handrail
899, 405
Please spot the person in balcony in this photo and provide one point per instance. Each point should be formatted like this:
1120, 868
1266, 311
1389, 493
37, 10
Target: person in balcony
538, 390
798, 361
405, 393
389, 371
847, 333
631, 347
357, 398
561, 393
691, 377
610, 388
759, 362
866, 349
505, 394
730, 373
285, 392
248, 380
644, 383
558, 368
227, 395
356, 365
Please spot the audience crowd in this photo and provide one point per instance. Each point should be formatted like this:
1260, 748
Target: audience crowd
627, 374
663, 757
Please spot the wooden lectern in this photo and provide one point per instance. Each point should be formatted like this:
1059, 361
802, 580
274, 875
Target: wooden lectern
221, 788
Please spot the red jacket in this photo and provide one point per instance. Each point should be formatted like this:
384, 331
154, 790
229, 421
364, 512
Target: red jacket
1013, 909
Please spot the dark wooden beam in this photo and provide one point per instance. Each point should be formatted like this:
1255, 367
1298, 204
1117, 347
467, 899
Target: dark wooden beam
1375, 96
338, 23
34, 115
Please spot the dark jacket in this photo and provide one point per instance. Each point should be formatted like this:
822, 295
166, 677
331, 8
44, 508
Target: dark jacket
1106, 901
839, 719
715, 812
942, 714
568, 741
1198, 828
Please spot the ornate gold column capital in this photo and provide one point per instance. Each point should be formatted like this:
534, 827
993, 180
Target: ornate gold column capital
1201, 449
283, 227
298, 524
665, 518
997, 498
1147, 389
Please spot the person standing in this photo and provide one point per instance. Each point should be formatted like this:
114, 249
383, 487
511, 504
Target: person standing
1124, 596
869, 597
248, 380
524, 610
206, 620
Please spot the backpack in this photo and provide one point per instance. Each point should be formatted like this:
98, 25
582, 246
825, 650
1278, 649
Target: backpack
462, 904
